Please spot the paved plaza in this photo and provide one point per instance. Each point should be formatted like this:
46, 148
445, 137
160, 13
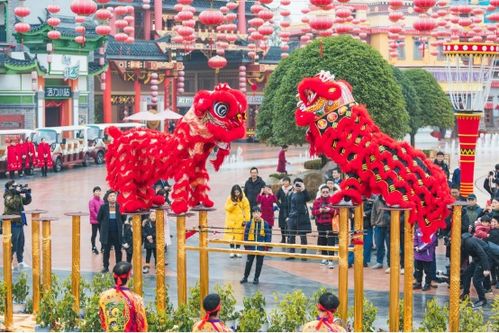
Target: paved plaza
70, 191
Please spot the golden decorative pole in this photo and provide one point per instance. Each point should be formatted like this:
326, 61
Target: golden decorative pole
343, 269
394, 269
47, 252
358, 269
75, 267
204, 281
408, 272
455, 266
7, 270
137, 253
181, 261
35, 253
160, 260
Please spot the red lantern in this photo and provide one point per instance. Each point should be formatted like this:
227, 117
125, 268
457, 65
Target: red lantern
189, 23
396, 4
184, 2
464, 9
211, 17
128, 30
266, 2
103, 14
177, 39
465, 21
53, 9
83, 7
255, 22
120, 10
217, 62
53, 22
321, 23
265, 14
395, 29
285, 24
120, 24
256, 8
285, 13
80, 40
321, 3
103, 30
424, 4
424, 24
129, 18
285, 2
395, 16
22, 27
54, 34
266, 30
121, 37
494, 3
343, 29
493, 17
185, 31
80, 19
130, 40
185, 15
231, 38
343, 12
22, 11
230, 17
231, 5
80, 29
103, 2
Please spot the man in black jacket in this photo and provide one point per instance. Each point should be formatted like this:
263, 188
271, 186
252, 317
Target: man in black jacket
252, 187
111, 228
477, 269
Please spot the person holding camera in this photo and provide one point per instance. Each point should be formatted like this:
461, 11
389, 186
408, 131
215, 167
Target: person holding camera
14, 199
298, 219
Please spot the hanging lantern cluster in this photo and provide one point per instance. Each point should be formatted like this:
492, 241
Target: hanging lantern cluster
285, 23
154, 88
261, 28
424, 24
395, 30
146, 4
226, 32
21, 12
242, 79
124, 23
103, 15
186, 22
82, 9
180, 82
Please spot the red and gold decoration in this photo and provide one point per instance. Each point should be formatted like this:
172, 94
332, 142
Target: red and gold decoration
215, 119
343, 131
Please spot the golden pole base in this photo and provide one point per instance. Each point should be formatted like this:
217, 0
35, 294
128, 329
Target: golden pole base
343, 265
204, 282
137, 253
75, 267
408, 272
35, 253
359, 270
181, 261
394, 270
7, 270
47, 252
455, 266
160, 261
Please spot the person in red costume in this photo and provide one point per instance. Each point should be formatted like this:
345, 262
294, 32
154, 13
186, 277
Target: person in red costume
266, 199
121, 310
13, 159
44, 157
281, 162
30, 156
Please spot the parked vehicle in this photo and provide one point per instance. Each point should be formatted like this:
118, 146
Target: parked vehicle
5, 136
69, 145
98, 138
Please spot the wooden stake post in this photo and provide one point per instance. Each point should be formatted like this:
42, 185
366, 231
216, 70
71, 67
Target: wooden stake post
7, 269
455, 267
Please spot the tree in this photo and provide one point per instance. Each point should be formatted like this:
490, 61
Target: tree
362, 66
411, 103
436, 108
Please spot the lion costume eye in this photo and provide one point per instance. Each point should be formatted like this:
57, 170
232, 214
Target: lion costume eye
221, 109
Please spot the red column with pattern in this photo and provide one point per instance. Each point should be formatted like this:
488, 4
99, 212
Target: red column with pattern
467, 127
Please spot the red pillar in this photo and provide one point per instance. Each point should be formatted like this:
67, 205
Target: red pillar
108, 108
166, 91
158, 15
174, 95
136, 86
241, 17
112, 24
467, 128
147, 25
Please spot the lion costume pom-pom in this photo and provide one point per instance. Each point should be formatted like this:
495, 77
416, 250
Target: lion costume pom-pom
375, 163
140, 157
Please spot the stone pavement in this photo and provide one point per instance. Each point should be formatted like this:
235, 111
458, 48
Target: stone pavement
70, 190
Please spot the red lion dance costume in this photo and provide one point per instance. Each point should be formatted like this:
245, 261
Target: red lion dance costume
138, 158
375, 163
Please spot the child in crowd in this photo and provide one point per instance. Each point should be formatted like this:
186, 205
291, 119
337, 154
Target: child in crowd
424, 254
482, 227
128, 239
266, 199
149, 234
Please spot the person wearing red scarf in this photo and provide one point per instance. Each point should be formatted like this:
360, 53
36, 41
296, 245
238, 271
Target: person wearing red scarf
211, 321
328, 303
121, 310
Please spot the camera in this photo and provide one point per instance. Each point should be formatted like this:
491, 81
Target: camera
22, 189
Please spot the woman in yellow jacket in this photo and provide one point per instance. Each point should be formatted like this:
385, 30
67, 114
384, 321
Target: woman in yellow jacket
237, 213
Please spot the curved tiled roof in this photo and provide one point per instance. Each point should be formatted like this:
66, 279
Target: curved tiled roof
147, 50
199, 4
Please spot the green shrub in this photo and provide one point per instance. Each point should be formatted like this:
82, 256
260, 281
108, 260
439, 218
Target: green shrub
228, 300
471, 320
28, 308
253, 316
290, 313
157, 321
194, 302
435, 317
494, 316
369, 313
20, 290
58, 314
182, 319
278, 176
91, 320
2, 297
313, 164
